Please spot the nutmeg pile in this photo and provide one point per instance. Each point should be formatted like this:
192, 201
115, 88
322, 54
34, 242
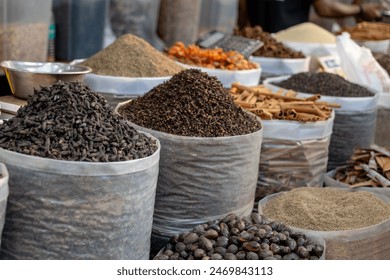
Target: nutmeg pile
252, 237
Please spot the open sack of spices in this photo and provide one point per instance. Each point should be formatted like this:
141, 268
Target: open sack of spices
274, 57
354, 224
82, 180
252, 237
296, 137
354, 123
368, 169
128, 67
210, 151
227, 66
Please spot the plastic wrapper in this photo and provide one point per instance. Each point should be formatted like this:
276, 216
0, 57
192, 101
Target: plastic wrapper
138, 17
382, 130
179, 21
228, 77
370, 243
293, 154
354, 124
282, 66
203, 178
79, 210
3, 195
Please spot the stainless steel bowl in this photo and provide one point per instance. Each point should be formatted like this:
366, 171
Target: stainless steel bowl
24, 77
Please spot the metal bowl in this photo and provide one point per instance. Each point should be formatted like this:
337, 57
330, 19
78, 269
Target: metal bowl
24, 77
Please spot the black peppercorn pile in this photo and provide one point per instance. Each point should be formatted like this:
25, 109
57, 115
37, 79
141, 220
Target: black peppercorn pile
68, 121
191, 103
325, 84
252, 237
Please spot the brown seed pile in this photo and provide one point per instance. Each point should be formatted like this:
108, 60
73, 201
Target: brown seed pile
131, 56
327, 209
271, 47
191, 103
384, 61
249, 238
68, 121
324, 83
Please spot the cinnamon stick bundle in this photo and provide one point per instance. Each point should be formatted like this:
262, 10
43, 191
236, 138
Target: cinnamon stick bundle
281, 105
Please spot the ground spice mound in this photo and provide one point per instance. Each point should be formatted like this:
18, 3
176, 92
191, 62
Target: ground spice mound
131, 56
271, 47
327, 209
324, 83
68, 121
191, 103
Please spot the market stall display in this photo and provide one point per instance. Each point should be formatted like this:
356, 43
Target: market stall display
210, 151
354, 124
274, 57
350, 222
252, 237
296, 137
128, 67
81, 179
227, 66
4, 177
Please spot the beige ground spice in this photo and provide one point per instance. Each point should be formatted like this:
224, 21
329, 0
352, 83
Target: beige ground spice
327, 209
131, 56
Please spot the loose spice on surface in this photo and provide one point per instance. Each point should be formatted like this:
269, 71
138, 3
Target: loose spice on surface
191, 103
325, 84
131, 56
68, 121
327, 209
252, 237
210, 58
271, 47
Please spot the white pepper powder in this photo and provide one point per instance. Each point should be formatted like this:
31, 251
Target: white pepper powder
327, 209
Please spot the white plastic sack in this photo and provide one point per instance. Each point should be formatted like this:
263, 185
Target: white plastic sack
354, 124
282, 66
379, 46
382, 130
293, 154
312, 49
228, 77
360, 66
3, 195
78, 210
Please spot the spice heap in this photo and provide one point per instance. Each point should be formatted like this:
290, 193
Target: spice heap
370, 31
210, 58
306, 32
131, 56
282, 106
327, 209
191, 103
384, 61
252, 237
271, 47
67, 121
323, 83
366, 167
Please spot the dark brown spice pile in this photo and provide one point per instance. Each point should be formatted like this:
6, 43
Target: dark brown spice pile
191, 103
68, 121
131, 56
325, 84
271, 47
384, 61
